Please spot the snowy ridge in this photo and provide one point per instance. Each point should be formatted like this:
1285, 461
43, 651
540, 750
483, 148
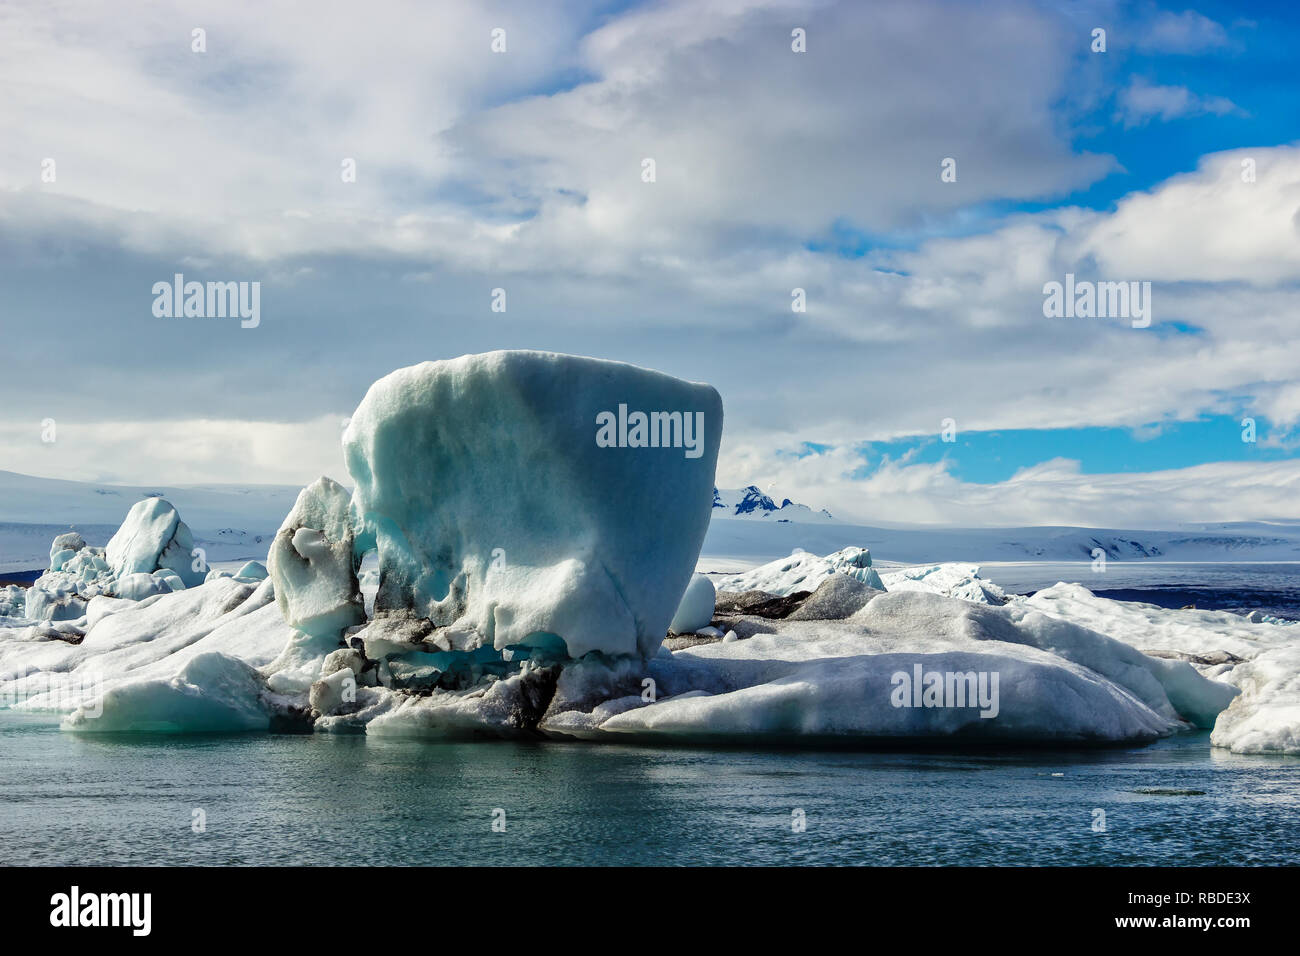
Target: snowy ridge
751, 502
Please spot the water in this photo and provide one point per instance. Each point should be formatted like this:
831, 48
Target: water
1271, 588
325, 800
319, 799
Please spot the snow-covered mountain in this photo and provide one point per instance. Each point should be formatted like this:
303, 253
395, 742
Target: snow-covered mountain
750, 502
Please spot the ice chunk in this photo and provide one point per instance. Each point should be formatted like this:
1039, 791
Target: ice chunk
69, 541
804, 571
312, 562
137, 586
696, 608
13, 601
1261, 658
516, 494
153, 536
1266, 717
212, 692
252, 571
1048, 681
954, 579
333, 691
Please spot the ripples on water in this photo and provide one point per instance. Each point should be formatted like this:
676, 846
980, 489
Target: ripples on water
326, 800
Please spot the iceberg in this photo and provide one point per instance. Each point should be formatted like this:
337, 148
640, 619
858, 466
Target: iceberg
534, 522
153, 536
498, 515
804, 571
151, 553
1258, 658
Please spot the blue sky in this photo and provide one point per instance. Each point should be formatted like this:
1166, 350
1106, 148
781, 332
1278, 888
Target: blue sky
776, 171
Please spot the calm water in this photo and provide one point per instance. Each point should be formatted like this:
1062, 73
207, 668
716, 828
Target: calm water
1272, 588
341, 800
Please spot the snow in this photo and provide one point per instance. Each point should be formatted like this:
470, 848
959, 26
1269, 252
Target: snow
696, 608
496, 512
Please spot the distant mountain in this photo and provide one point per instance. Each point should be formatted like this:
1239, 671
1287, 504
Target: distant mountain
750, 502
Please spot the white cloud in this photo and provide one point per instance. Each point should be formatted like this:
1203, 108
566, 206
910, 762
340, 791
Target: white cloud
191, 451
478, 170
1142, 101
1055, 492
1187, 32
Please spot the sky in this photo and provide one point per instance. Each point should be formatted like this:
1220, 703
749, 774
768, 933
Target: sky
920, 170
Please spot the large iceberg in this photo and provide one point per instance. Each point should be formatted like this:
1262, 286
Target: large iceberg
534, 522
521, 497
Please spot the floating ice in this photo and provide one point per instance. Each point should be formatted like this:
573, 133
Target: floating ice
1055, 681
499, 516
803, 571
954, 579
1260, 658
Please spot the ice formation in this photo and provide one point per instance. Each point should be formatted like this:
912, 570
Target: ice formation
696, 608
153, 537
151, 553
804, 571
314, 565
953, 579
1260, 657
528, 574
499, 516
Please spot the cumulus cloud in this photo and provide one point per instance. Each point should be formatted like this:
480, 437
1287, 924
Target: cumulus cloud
1055, 492
523, 170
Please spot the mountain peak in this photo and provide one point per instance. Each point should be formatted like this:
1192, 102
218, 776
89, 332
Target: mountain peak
751, 502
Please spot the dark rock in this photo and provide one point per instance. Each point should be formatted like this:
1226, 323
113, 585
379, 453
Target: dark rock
758, 603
